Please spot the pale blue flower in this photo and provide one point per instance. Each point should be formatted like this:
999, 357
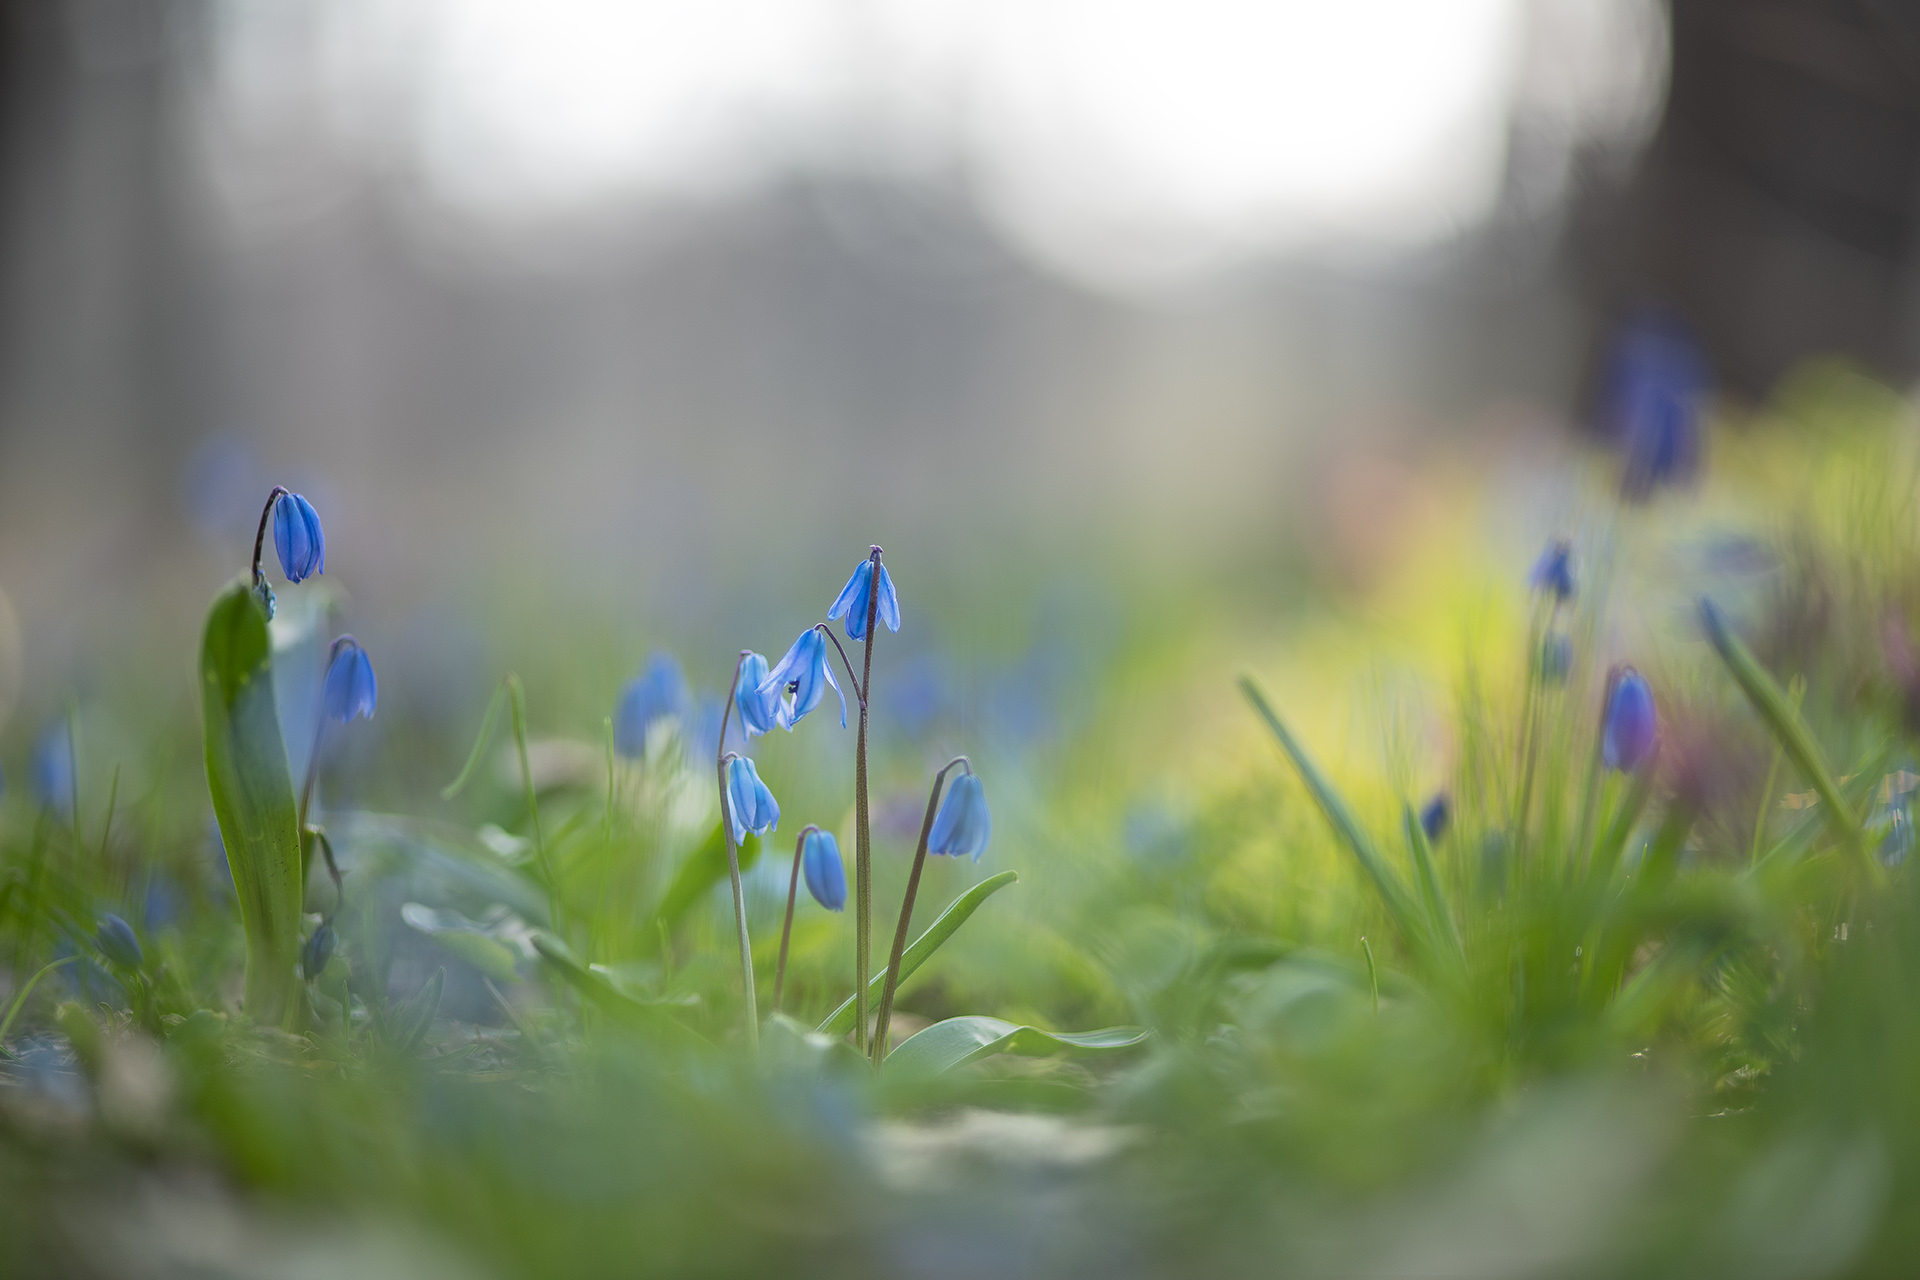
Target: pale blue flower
759, 707
749, 803
802, 679
853, 601
350, 689
963, 824
826, 874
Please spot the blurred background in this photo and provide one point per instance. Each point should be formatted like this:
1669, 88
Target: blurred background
640, 321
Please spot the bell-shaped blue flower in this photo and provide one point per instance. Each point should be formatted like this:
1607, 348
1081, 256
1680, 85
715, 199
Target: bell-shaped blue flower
1436, 815
53, 768
1631, 729
350, 689
963, 824
657, 692
826, 874
854, 598
317, 951
759, 707
1553, 571
749, 803
802, 679
297, 537
117, 943
1654, 384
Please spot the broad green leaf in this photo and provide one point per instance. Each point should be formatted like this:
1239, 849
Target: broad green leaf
463, 940
253, 798
1394, 894
703, 869
840, 1021
946, 1045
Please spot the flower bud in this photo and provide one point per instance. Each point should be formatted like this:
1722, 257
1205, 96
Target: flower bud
297, 538
1631, 728
319, 950
117, 943
826, 874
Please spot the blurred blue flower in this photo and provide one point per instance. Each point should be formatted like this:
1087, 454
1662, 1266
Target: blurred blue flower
853, 601
657, 692
117, 942
161, 905
1436, 815
749, 803
1631, 728
1556, 657
826, 874
802, 679
350, 688
220, 483
298, 539
53, 768
1553, 571
759, 708
317, 951
1654, 382
963, 824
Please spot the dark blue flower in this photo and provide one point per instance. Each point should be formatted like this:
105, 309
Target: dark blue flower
749, 803
657, 692
1632, 726
117, 943
297, 537
53, 768
1556, 657
1553, 571
350, 689
802, 679
759, 707
963, 824
1653, 387
853, 601
1436, 815
318, 950
826, 874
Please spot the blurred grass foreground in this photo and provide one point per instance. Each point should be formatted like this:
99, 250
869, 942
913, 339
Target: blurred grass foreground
1545, 910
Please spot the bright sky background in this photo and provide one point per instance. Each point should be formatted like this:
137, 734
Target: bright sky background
1123, 141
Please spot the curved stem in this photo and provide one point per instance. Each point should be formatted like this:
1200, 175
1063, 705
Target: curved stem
733, 864
862, 828
260, 535
859, 692
333, 869
786, 930
906, 909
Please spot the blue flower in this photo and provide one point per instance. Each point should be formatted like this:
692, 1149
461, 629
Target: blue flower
826, 875
318, 950
350, 689
1632, 726
1553, 571
759, 707
117, 942
1556, 657
801, 680
1436, 815
963, 824
657, 692
1654, 383
749, 803
53, 768
297, 537
853, 601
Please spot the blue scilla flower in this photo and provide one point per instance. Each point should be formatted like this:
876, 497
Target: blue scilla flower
1436, 815
802, 680
53, 768
759, 707
749, 803
853, 601
297, 537
350, 689
826, 874
1654, 382
1631, 729
963, 824
117, 943
1553, 571
657, 692
317, 951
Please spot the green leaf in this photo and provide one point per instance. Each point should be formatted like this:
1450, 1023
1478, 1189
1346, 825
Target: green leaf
703, 869
1789, 730
946, 1045
411, 1020
1432, 893
253, 798
463, 940
610, 997
840, 1021
1398, 902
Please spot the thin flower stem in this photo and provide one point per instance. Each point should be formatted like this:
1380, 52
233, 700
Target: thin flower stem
1530, 724
733, 864
786, 929
906, 909
517, 706
859, 692
260, 534
862, 828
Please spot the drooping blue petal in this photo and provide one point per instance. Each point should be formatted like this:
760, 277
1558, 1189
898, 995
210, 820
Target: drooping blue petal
801, 680
759, 709
1436, 816
749, 803
1553, 571
826, 874
854, 601
350, 689
117, 942
889, 607
657, 692
1632, 726
298, 539
963, 825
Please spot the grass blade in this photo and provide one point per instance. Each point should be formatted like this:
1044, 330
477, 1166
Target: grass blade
840, 1021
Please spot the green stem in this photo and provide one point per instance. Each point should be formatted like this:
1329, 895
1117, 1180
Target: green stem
906, 911
517, 704
733, 867
786, 929
862, 828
